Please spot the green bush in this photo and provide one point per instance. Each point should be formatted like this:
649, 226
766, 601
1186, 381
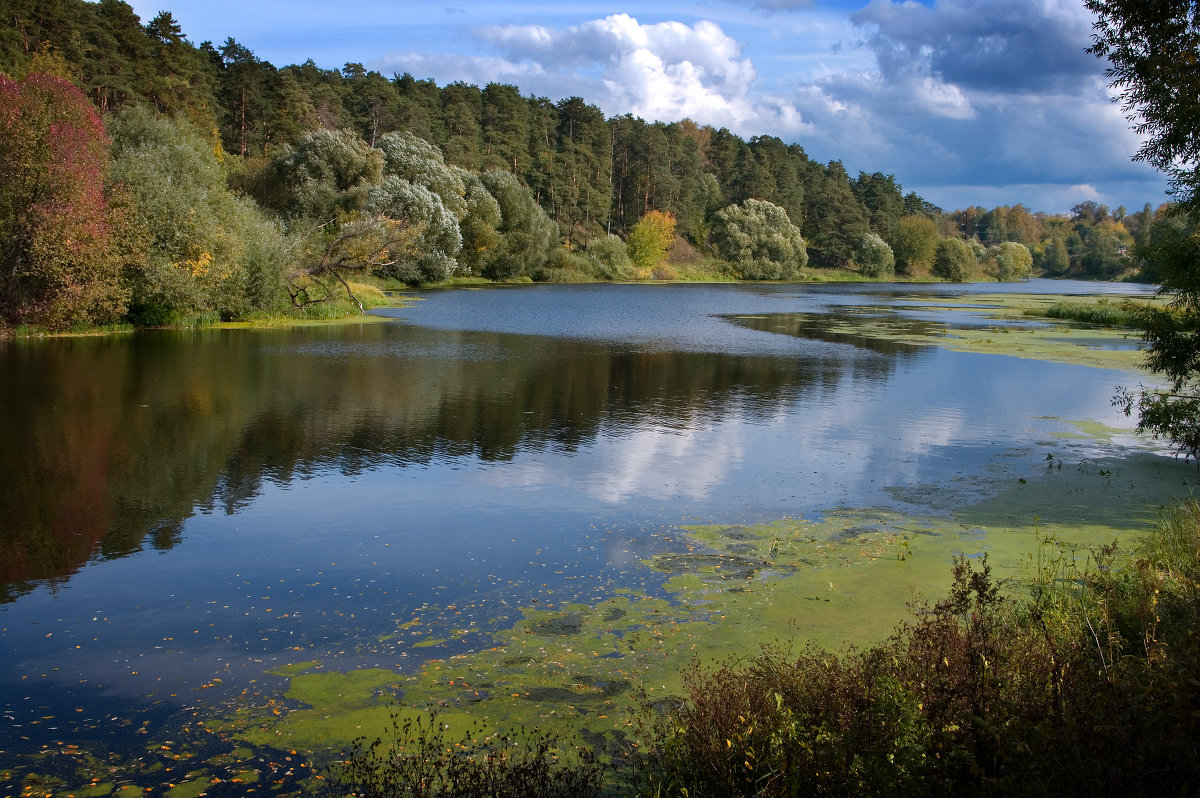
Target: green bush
416, 758
1100, 313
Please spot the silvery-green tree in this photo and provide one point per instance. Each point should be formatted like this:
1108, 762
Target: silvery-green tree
438, 241
323, 175
874, 257
422, 164
760, 241
527, 234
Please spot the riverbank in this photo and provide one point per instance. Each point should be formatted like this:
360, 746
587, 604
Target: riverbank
500, 628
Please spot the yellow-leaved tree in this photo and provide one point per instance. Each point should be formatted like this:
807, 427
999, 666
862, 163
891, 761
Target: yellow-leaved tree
649, 242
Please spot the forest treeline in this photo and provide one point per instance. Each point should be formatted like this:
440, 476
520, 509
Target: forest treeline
149, 180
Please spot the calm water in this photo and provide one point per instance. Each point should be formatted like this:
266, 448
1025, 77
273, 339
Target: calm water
183, 506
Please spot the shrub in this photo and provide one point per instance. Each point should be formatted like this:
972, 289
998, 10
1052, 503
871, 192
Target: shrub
953, 260
417, 758
1087, 687
609, 259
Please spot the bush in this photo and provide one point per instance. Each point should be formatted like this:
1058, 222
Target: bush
953, 260
417, 758
874, 257
650, 240
759, 239
609, 259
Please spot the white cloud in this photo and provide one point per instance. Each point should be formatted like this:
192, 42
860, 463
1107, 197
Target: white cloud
664, 71
996, 93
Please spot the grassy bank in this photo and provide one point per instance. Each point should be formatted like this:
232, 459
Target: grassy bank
1086, 686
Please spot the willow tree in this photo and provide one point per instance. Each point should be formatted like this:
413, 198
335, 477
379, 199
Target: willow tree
760, 241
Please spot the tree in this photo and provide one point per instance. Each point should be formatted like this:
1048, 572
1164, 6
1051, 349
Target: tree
914, 243
57, 265
527, 234
760, 241
953, 260
874, 257
207, 250
1013, 261
438, 240
365, 245
1153, 49
421, 163
479, 225
325, 173
650, 240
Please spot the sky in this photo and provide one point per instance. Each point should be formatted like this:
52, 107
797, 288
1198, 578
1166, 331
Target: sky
966, 102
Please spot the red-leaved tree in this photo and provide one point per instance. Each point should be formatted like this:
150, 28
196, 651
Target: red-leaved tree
57, 265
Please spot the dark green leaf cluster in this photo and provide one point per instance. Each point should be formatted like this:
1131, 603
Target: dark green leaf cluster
1153, 49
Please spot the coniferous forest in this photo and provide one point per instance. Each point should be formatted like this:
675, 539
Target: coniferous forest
147, 180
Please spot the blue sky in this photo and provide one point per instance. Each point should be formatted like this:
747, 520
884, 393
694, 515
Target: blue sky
967, 102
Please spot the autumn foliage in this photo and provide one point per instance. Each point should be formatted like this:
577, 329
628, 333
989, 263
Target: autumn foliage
57, 265
650, 240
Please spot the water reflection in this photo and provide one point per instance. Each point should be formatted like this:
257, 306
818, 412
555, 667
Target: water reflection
111, 443
180, 508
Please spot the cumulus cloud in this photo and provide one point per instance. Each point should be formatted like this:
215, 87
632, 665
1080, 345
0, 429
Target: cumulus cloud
664, 71
970, 92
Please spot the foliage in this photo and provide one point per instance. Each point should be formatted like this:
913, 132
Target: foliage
422, 164
1172, 335
365, 245
1153, 49
981, 694
326, 173
650, 240
59, 268
479, 226
416, 758
914, 243
205, 249
760, 241
432, 258
953, 260
1013, 261
609, 258
874, 257
527, 234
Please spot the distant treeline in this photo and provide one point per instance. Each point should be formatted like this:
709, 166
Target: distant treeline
220, 185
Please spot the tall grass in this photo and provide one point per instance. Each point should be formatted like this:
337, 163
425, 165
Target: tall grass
1099, 313
416, 758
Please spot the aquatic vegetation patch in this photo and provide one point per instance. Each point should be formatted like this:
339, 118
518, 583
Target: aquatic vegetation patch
998, 324
580, 670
